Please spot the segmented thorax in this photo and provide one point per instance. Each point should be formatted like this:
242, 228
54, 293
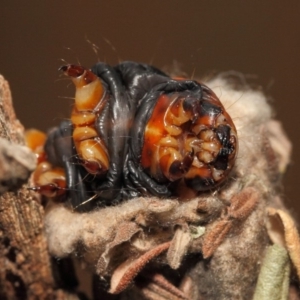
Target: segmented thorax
90, 100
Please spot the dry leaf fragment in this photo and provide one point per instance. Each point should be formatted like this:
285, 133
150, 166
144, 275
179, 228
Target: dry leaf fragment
162, 287
16, 164
291, 236
125, 232
154, 292
127, 271
214, 237
179, 246
162, 207
243, 203
187, 286
280, 144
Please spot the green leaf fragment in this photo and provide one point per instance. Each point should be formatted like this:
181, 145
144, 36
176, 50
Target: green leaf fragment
273, 279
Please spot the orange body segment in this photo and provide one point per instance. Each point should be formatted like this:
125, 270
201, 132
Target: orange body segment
35, 140
90, 99
48, 181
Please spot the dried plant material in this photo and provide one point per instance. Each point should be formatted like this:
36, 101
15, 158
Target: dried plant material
164, 283
280, 144
273, 279
155, 292
10, 127
188, 288
240, 208
231, 272
210, 207
124, 234
127, 271
179, 246
16, 164
275, 228
243, 203
159, 207
96, 236
161, 287
291, 236
215, 237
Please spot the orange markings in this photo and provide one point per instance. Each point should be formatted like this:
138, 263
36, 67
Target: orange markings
90, 99
48, 181
35, 140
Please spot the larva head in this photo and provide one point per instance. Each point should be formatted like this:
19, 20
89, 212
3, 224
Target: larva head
189, 136
89, 88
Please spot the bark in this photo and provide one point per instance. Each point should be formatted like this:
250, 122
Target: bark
25, 263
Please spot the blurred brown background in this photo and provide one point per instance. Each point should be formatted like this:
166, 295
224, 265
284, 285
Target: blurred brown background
260, 38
